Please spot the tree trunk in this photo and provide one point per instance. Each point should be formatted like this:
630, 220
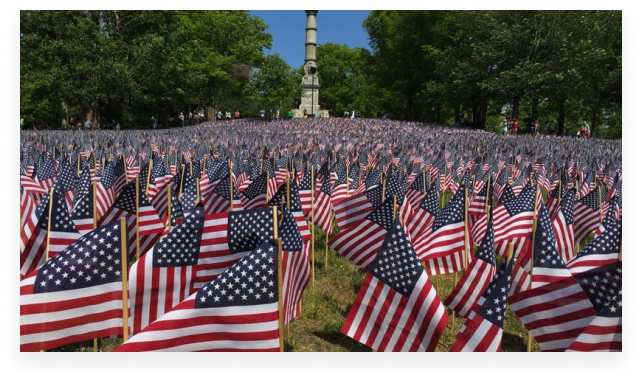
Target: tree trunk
210, 113
479, 115
457, 111
65, 116
517, 98
409, 102
93, 115
535, 109
439, 112
561, 114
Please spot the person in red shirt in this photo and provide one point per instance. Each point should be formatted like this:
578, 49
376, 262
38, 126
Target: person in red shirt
515, 125
237, 115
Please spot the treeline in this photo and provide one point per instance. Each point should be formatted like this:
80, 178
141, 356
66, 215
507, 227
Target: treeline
128, 66
434, 66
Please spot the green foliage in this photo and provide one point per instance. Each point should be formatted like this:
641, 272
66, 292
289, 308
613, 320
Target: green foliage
274, 85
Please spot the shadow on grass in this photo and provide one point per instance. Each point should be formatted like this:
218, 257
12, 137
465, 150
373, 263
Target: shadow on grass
332, 333
513, 342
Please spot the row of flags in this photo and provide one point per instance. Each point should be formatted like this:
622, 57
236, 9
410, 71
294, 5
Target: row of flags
200, 220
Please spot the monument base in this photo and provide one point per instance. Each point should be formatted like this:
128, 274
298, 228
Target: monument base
298, 113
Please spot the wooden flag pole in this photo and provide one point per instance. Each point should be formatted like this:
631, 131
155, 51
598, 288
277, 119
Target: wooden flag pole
383, 191
231, 186
169, 208
465, 228
530, 282
137, 225
279, 273
95, 218
327, 236
180, 186
287, 195
49, 222
599, 198
313, 184
123, 275
149, 174
198, 191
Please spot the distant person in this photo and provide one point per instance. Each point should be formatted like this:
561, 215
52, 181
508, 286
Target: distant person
22, 122
305, 113
528, 121
262, 113
87, 124
290, 114
587, 129
352, 114
181, 117
228, 115
504, 126
197, 116
278, 112
154, 122
515, 126
237, 114
219, 115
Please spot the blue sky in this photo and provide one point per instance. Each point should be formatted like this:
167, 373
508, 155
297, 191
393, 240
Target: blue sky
288, 31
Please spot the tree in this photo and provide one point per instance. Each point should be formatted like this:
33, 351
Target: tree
274, 84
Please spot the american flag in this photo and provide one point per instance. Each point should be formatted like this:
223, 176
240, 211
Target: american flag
175, 211
557, 313
417, 189
397, 308
360, 242
83, 209
305, 192
514, 218
603, 250
48, 238
563, 226
476, 277
323, 206
396, 188
149, 225
554, 199
604, 333
612, 215
227, 237
27, 208
76, 295
295, 207
237, 311
424, 214
66, 183
548, 264
340, 186
106, 189
255, 195
296, 265
189, 194
46, 172
587, 214
482, 331
218, 198
163, 277
442, 247
588, 184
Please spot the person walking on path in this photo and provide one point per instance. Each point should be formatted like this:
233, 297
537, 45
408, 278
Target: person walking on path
181, 118
587, 129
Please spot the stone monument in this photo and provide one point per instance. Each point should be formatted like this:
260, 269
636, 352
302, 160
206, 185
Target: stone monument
310, 81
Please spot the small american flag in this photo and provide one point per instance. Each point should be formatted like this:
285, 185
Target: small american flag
240, 307
80, 290
397, 308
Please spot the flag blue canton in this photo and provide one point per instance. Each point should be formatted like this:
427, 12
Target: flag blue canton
524, 202
127, 199
546, 255
251, 281
247, 229
375, 195
602, 284
257, 187
486, 250
181, 246
430, 202
453, 212
396, 263
568, 203
606, 243
92, 260
383, 214
289, 233
494, 307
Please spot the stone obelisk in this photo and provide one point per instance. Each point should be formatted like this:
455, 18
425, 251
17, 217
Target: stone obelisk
310, 81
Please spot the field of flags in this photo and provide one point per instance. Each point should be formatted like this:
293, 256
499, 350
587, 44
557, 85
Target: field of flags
202, 238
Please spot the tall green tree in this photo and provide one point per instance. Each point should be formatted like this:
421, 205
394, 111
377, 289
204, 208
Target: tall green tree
274, 85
